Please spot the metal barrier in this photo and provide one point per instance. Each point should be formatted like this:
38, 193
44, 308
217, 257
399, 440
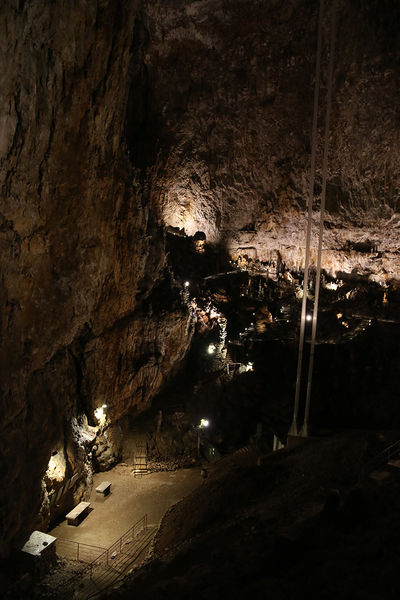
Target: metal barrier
78, 551
392, 451
127, 537
382, 458
233, 367
96, 555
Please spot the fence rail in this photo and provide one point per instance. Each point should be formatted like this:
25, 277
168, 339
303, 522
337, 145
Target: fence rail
126, 538
393, 450
96, 555
385, 456
78, 551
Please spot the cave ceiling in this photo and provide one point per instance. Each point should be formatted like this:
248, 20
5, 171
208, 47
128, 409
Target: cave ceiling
230, 88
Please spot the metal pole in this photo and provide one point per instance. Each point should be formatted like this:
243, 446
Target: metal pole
304, 430
293, 428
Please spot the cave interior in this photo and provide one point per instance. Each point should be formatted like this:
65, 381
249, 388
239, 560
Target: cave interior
200, 253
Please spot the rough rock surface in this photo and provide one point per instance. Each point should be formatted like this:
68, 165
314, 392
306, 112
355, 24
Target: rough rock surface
80, 248
231, 89
118, 117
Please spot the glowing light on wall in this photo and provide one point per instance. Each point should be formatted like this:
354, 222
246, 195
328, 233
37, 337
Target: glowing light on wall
334, 286
211, 349
56, 466
100, 414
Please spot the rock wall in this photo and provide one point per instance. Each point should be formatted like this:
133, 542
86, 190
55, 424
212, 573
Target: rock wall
81, 249
119, 117
232, 87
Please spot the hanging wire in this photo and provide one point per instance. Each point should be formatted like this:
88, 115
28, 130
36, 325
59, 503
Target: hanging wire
304, 430
293, 428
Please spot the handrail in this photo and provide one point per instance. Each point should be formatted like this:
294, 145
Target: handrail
129, 534
384, 456
390, 451
79, 549
103, 588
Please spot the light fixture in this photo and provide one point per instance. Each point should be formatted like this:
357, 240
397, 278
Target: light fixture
249, 366
187, 283
308, 317
204, 423
211, 349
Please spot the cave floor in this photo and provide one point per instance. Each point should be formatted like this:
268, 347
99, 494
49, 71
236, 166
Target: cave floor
130, 498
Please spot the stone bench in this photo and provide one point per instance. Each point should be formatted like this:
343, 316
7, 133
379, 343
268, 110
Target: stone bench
104, 488
78, 513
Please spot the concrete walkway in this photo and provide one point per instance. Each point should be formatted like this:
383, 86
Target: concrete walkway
130, 498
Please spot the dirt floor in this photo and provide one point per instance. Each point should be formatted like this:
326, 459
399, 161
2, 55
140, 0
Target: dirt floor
130, 498
317, 521
307, 523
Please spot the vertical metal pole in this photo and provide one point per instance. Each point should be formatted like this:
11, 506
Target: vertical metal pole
77, 557
293, 428
304, 431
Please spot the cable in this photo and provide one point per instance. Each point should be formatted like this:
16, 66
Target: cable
304, 430
293, 428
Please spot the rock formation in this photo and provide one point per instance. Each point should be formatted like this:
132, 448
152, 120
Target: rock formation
120, 118
232, 89
81, 249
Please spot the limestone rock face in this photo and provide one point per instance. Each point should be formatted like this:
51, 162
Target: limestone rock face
117, 118
80, 245
232, 87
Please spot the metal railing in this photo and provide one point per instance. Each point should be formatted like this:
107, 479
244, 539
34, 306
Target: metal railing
78, 551
382, 458
233, 367
390, 452
126, 538
105, 557
95, 555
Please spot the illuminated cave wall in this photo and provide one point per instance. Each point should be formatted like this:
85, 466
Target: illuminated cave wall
119, 117
232, 86
81, 249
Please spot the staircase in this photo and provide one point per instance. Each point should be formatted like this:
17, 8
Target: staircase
140, 459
